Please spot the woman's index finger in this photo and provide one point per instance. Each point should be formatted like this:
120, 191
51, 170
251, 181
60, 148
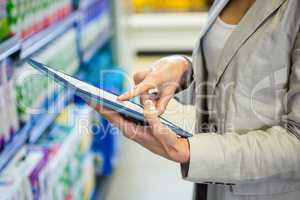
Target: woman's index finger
136, 91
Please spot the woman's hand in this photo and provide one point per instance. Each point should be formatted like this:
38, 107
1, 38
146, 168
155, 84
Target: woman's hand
156, 137
165, 76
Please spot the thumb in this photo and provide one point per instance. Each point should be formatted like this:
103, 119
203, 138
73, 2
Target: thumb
139, 89
163, 134
151, 113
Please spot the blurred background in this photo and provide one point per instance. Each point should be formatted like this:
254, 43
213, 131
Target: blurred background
52, 145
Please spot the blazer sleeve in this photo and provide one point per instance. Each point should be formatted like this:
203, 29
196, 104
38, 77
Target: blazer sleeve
257, 156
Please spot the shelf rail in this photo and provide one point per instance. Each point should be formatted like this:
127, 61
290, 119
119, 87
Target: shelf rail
37, 125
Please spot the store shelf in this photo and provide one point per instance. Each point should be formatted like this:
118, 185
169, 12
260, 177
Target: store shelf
56, 101
9, 47
34, 129
101, 39
14, 146
39, 40
51, 103
37, 125
43, 121
42, 38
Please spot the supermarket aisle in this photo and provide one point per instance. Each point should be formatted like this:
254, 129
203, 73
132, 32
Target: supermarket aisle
140, 175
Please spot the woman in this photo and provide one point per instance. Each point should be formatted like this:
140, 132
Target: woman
244, 79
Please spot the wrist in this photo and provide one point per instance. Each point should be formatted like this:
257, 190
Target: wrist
185, 63
182, 62
187, 67
185, 150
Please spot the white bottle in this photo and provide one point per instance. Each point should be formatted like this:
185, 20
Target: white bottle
4, 127
10, 98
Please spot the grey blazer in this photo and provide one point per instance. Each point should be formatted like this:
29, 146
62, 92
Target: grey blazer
247, 138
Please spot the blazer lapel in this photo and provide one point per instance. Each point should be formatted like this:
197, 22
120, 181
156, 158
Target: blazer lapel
257, 14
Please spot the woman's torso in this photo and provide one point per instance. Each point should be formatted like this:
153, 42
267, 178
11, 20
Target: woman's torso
249, 85
252, 75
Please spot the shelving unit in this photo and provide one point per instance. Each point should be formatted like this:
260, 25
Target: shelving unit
14, 146
57, 100
9, 47
103, 37
46, 36
41, 122
94, 54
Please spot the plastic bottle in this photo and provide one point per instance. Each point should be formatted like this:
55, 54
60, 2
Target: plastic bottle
10, 99
4, 128
4, 25
11, 8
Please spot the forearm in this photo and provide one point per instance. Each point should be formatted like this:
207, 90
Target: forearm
233, 158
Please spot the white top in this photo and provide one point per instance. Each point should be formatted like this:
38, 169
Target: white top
213, 44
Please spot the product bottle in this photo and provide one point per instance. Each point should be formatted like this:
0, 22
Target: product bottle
11, 7
4, 25
10, 99
3, 117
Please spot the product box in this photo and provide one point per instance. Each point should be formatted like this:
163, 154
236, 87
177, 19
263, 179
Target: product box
62, 53
60, 166
10, 98
15, 189
18, 177
95, 20
31, 91
67, 146
34, 88
28, 17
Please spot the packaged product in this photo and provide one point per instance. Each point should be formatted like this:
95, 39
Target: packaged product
4, 23
18, 174
10, 98
4, 125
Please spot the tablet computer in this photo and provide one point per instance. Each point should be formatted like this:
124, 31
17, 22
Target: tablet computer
130, 110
